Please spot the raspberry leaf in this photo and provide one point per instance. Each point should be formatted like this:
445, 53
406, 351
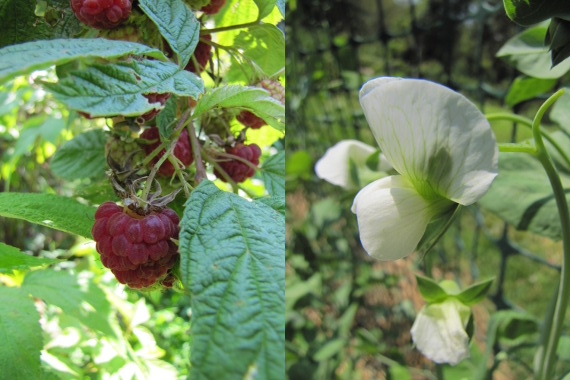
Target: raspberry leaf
273, 172
54, 211
265, 7
20, 334
166, 119
62, 289
253, 99
24, 58
177, 24
12, 258
117, 89
81, 157
275, 202
232, 262
264, 45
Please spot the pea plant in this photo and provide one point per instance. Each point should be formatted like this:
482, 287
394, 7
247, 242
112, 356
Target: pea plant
161, 126
437, 154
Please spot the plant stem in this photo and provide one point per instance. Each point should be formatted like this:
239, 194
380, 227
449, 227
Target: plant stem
553, 336
230, 27
516, 147
200, 169
528, 123
168, 152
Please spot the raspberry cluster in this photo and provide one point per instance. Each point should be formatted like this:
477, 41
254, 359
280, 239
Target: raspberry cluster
137, 249
214, 7
277, 92
237, 170
182, 150
101, 14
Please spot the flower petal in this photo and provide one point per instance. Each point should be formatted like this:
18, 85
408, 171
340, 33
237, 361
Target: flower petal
334, 166
392, 217
433, 136
439, 331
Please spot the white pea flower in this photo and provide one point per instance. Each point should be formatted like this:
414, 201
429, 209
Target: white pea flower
442, 147
335, 165
439, 331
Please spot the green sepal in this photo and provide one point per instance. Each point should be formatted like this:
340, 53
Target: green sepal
475, 293
430, 290
373, 161
436, 229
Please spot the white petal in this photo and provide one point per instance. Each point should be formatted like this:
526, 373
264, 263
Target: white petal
334, 167
392, 217
439, 331
433, 136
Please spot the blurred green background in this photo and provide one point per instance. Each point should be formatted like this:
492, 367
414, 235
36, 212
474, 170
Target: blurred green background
348, 316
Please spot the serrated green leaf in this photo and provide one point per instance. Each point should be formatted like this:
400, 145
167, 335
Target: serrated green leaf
264, 45
430, 290
275, 202
526, 51
522, 196
88, 304
117, 89
475, 293
176, 23
237, 12
253, 99
265, 7
525, 88
232, 262
273, 172
36, 55
12, 258
54, 211
20, 334
81, 157
166, 119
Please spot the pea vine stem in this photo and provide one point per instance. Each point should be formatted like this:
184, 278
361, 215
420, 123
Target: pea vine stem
554, 325
528, 123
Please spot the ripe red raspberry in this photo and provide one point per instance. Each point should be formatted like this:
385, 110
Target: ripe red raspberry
137, 249
155, 98
277, 92
101, 14
201, 54
182, 150
214, 7
237, 170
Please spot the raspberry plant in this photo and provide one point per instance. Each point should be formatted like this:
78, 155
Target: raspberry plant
149, 166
